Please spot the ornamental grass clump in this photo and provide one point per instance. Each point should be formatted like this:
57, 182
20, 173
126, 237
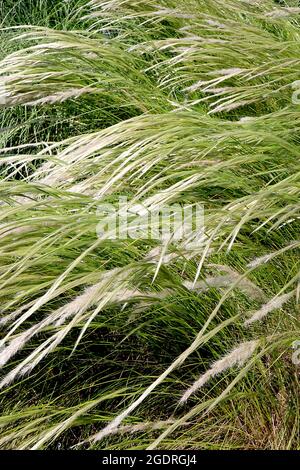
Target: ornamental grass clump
122, 342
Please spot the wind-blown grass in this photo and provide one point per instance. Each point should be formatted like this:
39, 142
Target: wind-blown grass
110, 343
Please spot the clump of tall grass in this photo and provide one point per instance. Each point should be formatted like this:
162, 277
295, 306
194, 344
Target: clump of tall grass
135, 343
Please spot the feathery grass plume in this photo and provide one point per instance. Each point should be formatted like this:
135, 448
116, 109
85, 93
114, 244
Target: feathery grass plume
237, 357
276, 303
283, 12
268, 257
135, 428
32, 76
